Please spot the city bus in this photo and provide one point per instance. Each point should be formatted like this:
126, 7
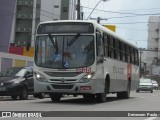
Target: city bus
75, 57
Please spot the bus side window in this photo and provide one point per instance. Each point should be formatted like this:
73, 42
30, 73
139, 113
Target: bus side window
105, 44
98, 41
125, 50
114, 47
137, 56
117, 49
111, 47
132, 55
128, 54
108, 46
120, 49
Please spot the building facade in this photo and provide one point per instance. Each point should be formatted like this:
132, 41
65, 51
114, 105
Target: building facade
20, 18
7, 14
153, 53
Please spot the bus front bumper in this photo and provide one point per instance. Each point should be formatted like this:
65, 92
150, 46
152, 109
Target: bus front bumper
69, 88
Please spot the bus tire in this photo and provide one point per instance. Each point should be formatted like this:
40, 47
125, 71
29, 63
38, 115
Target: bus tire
101, 97
126, 94
55, 97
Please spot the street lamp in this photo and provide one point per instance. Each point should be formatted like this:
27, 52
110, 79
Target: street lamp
95, 7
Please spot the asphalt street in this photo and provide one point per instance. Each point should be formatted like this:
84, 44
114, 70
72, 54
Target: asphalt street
143, 101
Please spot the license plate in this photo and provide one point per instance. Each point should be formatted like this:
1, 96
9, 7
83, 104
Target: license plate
2, 88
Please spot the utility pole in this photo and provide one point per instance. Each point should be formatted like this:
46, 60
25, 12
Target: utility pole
140, 57
78, 10
98, 19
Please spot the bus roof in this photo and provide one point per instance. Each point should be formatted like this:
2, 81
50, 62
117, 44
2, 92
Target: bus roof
100, 27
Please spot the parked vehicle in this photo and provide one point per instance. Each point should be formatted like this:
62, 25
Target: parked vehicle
145, 85
155, 85
18, 81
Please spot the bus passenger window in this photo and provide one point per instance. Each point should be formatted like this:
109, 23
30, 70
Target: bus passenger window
98, 41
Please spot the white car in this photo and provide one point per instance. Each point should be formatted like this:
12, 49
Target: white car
145, 85
155, 84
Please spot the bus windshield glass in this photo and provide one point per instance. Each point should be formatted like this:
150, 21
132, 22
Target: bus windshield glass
64, 51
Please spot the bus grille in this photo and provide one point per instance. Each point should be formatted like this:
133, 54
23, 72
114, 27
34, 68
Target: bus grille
62, 74
59, 80
62, 86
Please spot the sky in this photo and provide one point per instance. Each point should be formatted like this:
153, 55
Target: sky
129, 16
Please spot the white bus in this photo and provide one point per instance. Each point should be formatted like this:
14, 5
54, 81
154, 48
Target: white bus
83, 58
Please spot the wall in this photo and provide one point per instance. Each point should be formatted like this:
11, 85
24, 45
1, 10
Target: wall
10, 60
48, 12
6, 18
153, 39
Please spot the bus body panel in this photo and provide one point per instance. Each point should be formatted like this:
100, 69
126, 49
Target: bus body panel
117, 71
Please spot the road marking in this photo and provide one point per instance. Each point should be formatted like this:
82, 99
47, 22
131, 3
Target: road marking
151, 118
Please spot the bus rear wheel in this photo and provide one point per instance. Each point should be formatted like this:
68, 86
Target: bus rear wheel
55, 97
126, 94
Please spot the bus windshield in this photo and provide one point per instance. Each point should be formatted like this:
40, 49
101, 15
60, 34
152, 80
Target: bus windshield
64, 51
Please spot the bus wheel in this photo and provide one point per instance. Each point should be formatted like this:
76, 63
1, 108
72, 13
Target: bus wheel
55, 97
101, 97
126, 94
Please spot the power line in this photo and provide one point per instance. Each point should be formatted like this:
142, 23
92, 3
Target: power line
142, 9
131, 23
143, 30
116, 12
138, 15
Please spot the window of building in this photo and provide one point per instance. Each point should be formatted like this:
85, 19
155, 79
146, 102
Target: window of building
56, 6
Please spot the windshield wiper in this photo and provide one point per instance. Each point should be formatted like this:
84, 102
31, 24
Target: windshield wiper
73, 39
54, 42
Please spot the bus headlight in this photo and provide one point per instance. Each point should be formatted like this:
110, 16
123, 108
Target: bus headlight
40, 77
87, 77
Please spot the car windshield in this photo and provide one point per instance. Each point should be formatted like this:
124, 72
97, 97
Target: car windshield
13, 72
155, 82
145, 80
64, 51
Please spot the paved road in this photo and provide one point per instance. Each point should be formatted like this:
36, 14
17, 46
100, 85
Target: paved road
143, 101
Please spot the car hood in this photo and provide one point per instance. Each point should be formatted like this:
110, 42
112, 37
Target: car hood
145, 83
8, 79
